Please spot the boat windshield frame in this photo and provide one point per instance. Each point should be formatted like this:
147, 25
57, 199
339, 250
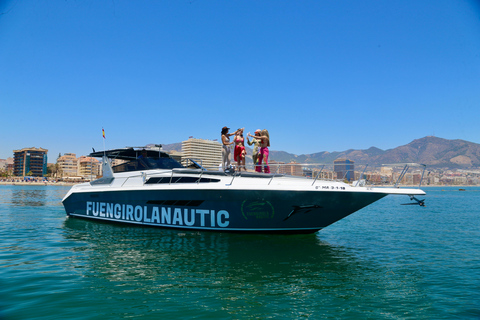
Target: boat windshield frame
139, 159
142, 164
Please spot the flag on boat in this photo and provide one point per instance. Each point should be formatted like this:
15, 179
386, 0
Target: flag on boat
103, 132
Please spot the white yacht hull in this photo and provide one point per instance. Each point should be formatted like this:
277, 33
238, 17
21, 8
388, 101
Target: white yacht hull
233, 204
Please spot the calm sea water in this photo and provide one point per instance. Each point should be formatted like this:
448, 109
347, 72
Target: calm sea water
386, 261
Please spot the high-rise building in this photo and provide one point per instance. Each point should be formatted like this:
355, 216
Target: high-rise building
30, 162
67, 165
344, 168
208, 153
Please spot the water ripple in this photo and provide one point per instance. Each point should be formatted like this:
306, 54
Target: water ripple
385, 262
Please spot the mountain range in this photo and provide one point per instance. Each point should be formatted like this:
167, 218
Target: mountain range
433, 151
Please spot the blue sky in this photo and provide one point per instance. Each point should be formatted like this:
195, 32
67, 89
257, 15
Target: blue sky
319, 75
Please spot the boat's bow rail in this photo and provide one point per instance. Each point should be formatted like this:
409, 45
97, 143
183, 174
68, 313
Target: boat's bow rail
385, 175
392, 174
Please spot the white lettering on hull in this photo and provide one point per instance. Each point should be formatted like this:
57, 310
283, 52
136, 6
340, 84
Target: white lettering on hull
158, 215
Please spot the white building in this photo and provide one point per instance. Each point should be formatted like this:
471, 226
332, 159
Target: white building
68, 165
88, 167
206, 152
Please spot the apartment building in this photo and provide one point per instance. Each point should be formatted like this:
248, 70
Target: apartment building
6, 165
292, 168
88, 167
30, 161
344, 168
208, 152
68, 165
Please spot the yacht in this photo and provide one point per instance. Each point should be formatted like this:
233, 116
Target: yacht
150, 188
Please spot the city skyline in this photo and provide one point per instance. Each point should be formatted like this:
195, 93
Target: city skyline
73, 169
177, 146
320, 76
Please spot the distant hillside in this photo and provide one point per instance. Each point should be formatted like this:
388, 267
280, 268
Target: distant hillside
172, 146
436, 152
432, 151
360, 156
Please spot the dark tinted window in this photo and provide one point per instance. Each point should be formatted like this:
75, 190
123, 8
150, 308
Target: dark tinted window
146, 164
180, 180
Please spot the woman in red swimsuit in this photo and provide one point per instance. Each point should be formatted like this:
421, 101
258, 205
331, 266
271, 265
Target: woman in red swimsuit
239, 151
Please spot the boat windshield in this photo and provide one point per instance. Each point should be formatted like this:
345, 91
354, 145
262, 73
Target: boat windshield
147, 164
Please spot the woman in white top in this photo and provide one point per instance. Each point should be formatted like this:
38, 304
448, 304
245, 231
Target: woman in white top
226, 148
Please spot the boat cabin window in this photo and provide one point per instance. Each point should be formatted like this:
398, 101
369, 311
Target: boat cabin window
156, 180
103, 180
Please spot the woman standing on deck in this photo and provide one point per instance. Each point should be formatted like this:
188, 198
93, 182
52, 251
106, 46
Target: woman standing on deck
226, 148
256, 145
264, 138
239, 151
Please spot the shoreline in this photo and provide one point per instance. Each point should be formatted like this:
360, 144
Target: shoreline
63, 184
43, 183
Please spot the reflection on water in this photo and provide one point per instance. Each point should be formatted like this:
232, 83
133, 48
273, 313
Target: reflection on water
31, 196
242, 273
158, 250
387, 261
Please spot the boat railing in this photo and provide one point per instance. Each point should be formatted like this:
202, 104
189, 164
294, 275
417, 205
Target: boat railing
368, 176
193, 163
276, 170
306, 170
394, 175
387, 175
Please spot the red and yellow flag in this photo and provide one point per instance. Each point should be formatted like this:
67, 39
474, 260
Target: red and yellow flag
103, 132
